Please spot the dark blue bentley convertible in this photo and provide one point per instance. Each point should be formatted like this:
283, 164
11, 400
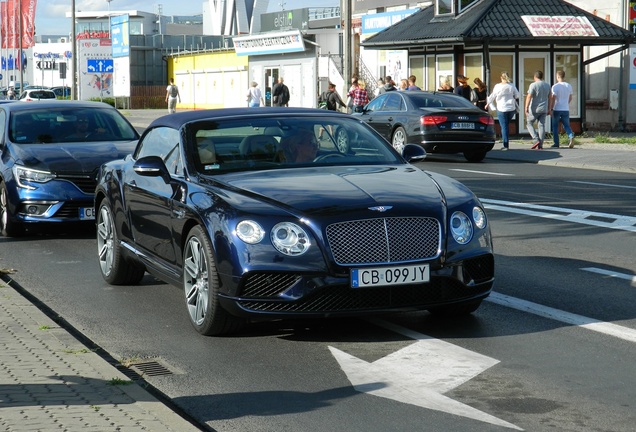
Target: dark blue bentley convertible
270, 213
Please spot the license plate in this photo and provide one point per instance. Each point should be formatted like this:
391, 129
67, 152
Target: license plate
463, 126
382, 276
87, 213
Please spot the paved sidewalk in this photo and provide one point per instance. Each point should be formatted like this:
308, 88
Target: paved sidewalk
49, 381
585, 154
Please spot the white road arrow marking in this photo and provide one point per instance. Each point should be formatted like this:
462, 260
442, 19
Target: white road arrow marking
420, 373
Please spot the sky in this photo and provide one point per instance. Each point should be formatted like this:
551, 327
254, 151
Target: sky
50, 15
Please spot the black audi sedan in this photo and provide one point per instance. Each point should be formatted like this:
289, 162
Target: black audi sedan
441, 122
273, 213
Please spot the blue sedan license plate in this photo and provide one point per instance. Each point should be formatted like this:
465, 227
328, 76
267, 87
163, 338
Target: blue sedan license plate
463, 126
382, 276
87, 213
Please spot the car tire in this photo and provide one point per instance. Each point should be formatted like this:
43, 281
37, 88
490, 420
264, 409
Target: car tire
115, 268
201, 288
398, 139
456, 310
475, 156
342, 140
8, 227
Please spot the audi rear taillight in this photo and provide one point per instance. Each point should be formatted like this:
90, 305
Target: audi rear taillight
433, 120
487, 120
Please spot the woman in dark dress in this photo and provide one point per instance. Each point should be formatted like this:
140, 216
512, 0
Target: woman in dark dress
480, 94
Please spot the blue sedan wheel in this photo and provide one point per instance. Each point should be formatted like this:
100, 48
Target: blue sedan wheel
8, 228
115, 269
201, 285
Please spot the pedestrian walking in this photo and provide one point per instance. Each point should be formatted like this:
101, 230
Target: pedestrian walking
536, 108
172, 95
479, 94
359, 96
379, 86
505, 96
463, 88
280, 94
333, 101
255, 96
10, 94
560, 99
411, 82
354, 85
388, 85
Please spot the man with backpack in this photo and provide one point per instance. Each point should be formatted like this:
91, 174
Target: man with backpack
331, 99
172, 95
280, 94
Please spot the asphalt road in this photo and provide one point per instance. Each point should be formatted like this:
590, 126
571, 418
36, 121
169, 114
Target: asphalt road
551, 349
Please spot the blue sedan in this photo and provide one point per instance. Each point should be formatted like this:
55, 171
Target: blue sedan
270, 213
50, 154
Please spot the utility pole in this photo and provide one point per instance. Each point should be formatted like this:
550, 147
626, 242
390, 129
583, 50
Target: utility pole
346, 39
73, 53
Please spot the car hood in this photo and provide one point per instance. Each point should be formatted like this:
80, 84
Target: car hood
329, 190
71, 157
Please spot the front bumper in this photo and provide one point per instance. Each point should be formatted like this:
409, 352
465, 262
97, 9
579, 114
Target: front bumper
289, 295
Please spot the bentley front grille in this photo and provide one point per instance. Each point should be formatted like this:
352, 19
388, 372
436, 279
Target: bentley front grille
384, 240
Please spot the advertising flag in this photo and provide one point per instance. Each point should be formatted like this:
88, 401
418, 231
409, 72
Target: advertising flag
12, 11
28, 22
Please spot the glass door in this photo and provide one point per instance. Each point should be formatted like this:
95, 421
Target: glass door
529, 64
271, 78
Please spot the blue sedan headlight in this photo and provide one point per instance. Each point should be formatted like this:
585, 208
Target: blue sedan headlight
461, 227
250, 232
290, 239
23, 176
479, 217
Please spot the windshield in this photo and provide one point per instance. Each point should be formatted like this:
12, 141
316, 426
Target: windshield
241, 144
61, 125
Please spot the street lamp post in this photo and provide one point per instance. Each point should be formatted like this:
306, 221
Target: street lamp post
346, 39
73, 53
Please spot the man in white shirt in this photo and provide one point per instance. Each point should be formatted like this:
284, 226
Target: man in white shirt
560, 99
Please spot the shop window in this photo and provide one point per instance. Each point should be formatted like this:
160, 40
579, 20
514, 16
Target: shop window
416, 65
431, 83
445, 71
569, 63
473, 67
500, 63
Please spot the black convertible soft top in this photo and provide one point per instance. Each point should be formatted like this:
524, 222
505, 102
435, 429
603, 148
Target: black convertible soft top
178, 119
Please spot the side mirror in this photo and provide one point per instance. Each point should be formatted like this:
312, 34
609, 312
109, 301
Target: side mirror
413, 153
152, 166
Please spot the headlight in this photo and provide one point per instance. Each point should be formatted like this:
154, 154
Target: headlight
479, 217
290, 239
23, 176
250, 232
461, 228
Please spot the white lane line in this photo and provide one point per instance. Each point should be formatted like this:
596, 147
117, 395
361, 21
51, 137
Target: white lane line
598, 219
481, 172
610, 273
603, 184
565, 317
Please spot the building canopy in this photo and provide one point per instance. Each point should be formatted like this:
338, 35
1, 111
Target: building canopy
509, 22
